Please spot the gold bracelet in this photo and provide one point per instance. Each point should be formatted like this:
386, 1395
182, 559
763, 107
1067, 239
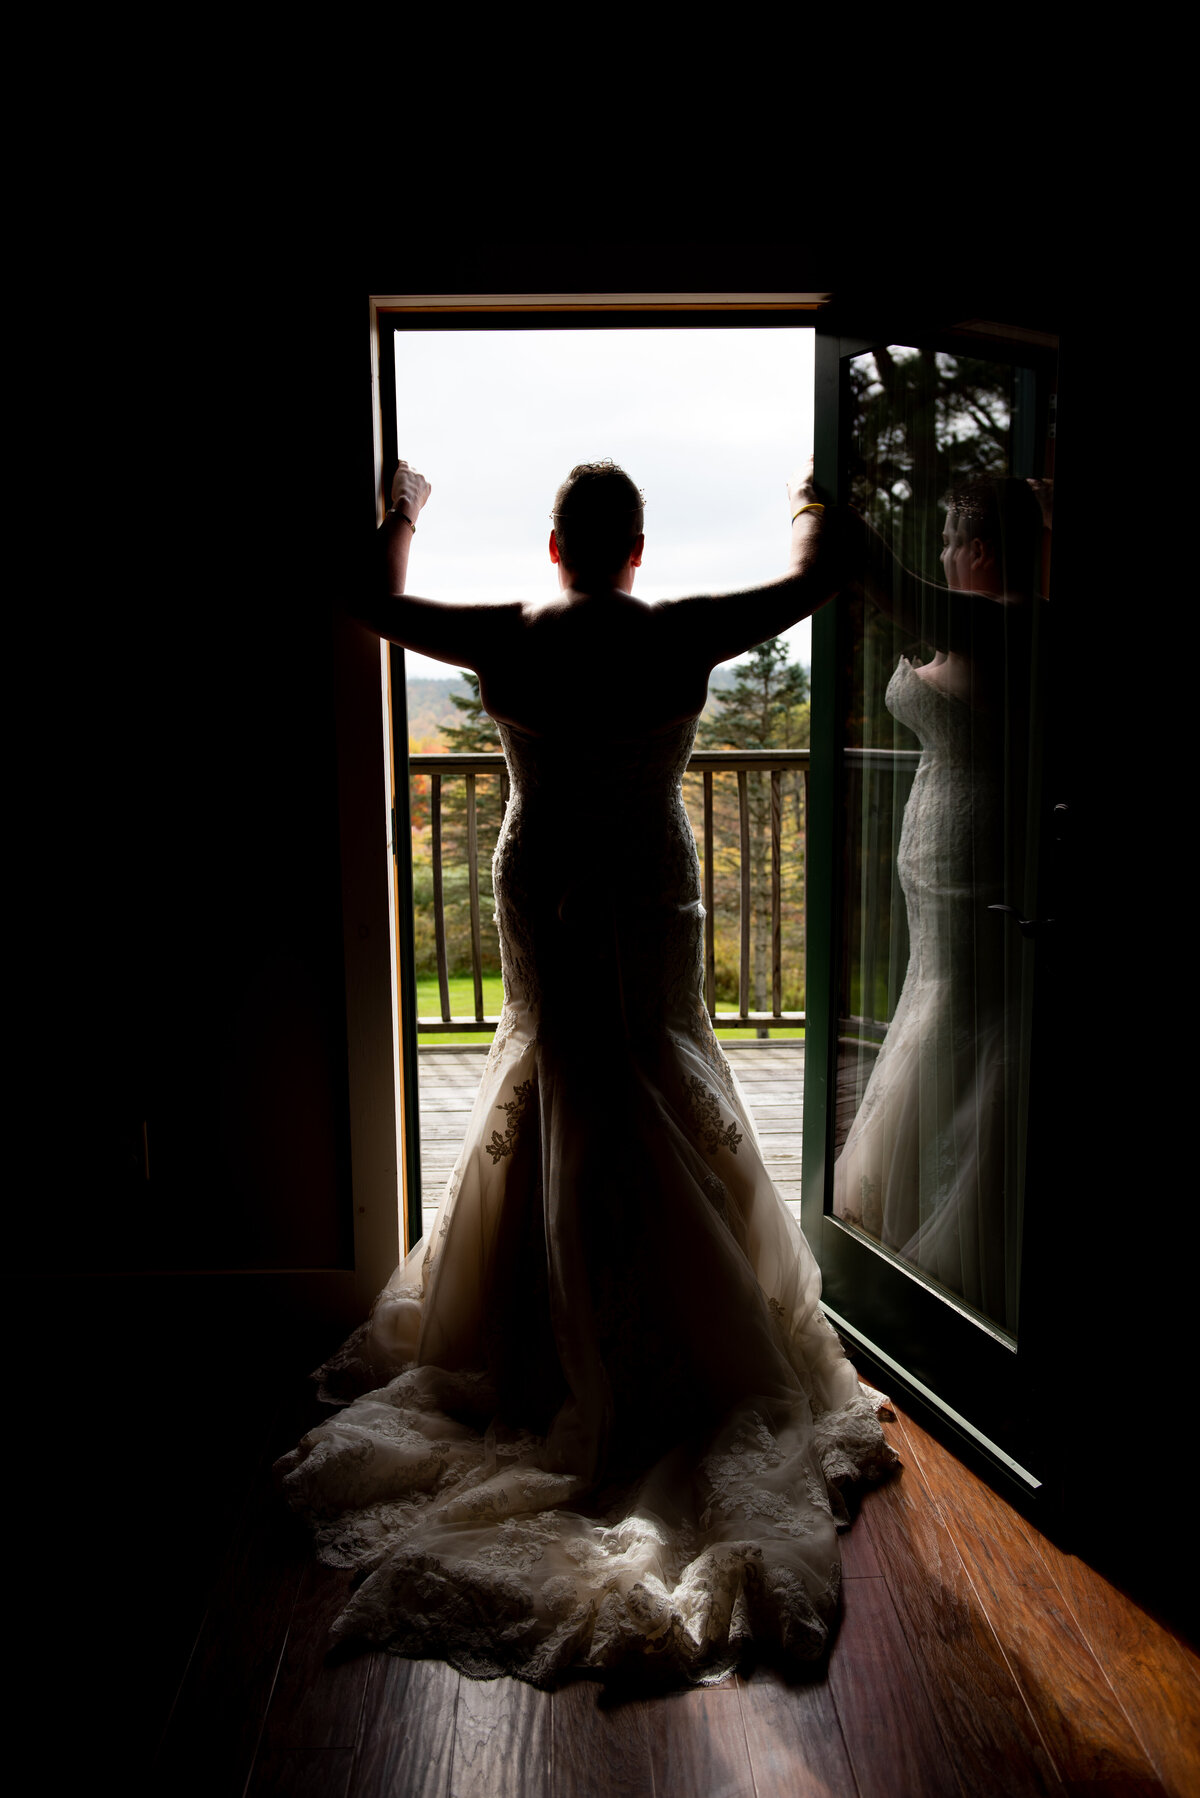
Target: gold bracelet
814, 505
395, 512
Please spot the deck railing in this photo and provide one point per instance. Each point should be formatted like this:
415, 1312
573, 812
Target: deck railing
877, 783
706, 764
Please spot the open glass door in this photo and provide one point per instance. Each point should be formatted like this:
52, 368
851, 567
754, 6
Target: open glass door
927, 834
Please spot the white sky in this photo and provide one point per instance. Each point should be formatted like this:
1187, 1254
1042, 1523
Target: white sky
709, 424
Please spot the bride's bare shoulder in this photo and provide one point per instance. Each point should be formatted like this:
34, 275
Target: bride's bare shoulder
593, 607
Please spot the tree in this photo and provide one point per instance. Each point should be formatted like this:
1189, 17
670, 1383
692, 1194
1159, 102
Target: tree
920, 421
475, 735
765, 708
760, 710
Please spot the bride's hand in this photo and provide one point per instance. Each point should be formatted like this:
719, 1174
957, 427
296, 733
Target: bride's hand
1043, 492
410, 490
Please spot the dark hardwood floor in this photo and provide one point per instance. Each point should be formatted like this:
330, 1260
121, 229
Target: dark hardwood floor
974, 1657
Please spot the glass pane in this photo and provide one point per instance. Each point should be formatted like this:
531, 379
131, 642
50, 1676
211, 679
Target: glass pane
950, 468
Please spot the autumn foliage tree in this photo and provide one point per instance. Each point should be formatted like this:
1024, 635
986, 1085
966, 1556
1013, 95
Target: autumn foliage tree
475, 734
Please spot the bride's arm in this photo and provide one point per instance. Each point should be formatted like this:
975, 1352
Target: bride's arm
721, 625
447, 631
831, 552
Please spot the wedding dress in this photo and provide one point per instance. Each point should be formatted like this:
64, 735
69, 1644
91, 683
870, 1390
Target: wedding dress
923, 1167
601, 1421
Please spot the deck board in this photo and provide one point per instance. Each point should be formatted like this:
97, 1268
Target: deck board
770, 1074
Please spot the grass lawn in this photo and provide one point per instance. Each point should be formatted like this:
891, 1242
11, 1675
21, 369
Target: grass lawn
462, 1003
788, 1035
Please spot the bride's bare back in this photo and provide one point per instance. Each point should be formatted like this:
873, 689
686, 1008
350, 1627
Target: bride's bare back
585, 653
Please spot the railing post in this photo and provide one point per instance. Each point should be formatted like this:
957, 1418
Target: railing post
439, 899
804, 893
710, 941
776, 891
744, 960
473, 877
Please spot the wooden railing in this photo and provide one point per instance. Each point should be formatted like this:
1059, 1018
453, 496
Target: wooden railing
706, 764
467, 768
881, 768
743, 763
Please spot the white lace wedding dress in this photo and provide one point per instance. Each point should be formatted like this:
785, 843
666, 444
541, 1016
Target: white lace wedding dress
602, 1421
923, 1167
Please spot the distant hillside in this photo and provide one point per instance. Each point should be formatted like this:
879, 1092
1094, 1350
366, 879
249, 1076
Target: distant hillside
430, 707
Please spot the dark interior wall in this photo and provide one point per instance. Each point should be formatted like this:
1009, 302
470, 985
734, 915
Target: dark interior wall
206, 938
179, 950
182, 941
1116, 1267
228, 913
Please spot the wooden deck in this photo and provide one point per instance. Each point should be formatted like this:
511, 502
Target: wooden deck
771, 1075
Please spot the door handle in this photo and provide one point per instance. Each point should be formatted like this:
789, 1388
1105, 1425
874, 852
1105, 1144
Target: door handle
1027, 926
1030, 927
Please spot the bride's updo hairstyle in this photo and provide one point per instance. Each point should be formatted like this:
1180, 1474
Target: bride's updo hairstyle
1006, 516
597, 518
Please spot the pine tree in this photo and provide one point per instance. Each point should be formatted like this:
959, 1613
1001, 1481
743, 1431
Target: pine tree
760, 710
475, 735
478, 734
765, 708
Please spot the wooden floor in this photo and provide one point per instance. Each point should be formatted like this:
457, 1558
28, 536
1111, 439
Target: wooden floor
771, 1075
973, 1657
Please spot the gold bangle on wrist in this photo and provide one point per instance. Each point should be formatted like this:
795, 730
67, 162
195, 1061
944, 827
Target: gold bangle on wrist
395, 512
814, 505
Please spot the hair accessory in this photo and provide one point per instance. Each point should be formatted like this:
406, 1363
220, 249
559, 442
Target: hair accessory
814, 505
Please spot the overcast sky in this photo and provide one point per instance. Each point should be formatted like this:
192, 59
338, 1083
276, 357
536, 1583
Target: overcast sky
709, 423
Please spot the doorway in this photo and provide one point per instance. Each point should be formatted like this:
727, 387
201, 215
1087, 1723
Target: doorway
710, 408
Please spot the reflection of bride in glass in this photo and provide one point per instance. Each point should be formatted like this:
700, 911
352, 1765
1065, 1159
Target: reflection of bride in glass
925, 1168
599, 1419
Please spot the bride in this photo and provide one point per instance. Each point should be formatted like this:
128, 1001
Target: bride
597, 1417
